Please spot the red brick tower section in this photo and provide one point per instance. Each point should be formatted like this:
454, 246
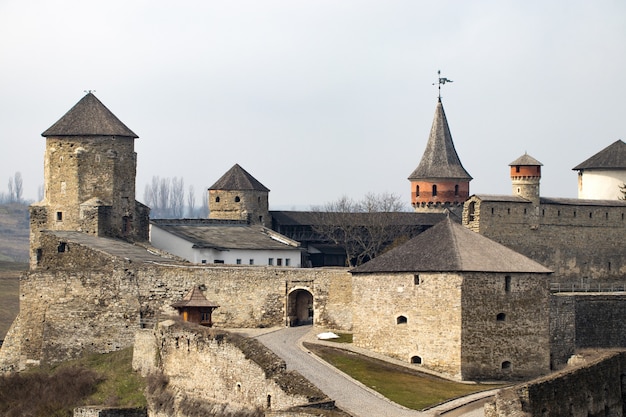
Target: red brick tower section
525, 177
439, 182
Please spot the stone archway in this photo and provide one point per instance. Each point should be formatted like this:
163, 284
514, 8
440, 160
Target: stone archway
299, 308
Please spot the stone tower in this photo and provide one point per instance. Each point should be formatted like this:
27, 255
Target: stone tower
525, 178
237, 195
89, 177
439, 182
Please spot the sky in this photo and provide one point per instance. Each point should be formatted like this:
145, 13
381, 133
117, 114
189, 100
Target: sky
319, 99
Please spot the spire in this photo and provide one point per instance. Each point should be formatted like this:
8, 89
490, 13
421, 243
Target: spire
440, 160
89, 117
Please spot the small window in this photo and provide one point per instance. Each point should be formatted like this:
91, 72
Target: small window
59, 216
416, 279
218, 261
524, 211
543, 212
260, 219
492, 210
506, 365
456, 190
279, 262
62, 247
287, 262
39, 255
270, 261
501, 317
417, 191
238, 261
516, 168
590, 215
251, 262
508, 211
237, 199
416, 360
401, 320
470, 211
558, 213
434, 190
217, 199
574, 213
507, 283
203, 261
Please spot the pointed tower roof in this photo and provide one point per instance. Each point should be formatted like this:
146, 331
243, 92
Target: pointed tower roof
525, 160
238, 178
194, 298
440, 160
89, 117
451, 247
611, 157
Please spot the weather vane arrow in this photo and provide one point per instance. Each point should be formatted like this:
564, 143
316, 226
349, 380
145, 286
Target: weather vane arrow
442, 81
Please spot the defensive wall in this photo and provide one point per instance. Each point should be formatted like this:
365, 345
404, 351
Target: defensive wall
596, 387
580, 241
207, 370
83, 299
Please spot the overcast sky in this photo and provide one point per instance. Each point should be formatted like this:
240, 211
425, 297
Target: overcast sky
319, 99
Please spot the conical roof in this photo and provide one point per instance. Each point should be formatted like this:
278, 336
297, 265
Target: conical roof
236, 179
451, 247
194, 298
440, 160
525, 160
89, 117
611, 157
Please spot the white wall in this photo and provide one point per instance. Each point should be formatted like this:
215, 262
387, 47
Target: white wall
601, 184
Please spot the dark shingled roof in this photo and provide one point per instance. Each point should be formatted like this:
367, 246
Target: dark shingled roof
553, 200
89, 117
611, 157
238, 178
194, 298
225, 235
451, 247
440, 160
308, 218
525, 160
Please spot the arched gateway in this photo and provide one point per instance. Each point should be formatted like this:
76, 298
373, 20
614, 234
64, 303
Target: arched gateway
299, 307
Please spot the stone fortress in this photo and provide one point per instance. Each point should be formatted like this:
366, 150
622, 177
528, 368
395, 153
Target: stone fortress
503, 303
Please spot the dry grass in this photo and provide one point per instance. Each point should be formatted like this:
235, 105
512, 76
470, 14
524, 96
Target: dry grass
9, 293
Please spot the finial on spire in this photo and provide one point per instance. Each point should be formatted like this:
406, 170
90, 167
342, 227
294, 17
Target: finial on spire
89, 91
442, 81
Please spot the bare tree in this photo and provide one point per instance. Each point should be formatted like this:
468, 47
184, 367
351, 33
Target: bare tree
363, 228
17, 182
177, 197
11, 195
163, 196
191, 202
204, 211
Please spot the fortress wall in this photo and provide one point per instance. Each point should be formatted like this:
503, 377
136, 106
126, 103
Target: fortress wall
222, 371
580, 243
595, 389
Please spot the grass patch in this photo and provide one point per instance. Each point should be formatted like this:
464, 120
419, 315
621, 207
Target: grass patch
96, 379
343, 338
403, 386
9, 293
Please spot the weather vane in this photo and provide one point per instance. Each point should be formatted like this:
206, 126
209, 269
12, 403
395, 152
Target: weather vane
442, 81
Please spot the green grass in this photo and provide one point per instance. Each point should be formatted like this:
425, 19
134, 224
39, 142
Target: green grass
9, 294
403, 386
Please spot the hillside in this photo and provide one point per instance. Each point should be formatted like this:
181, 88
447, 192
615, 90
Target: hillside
9, 293
14, 230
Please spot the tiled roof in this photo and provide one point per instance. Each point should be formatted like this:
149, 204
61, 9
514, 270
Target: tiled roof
451, 247
525, 160
611, 157
440, 160
553, 200
308, 218
89, 117
194, 298
226, 235
238, 178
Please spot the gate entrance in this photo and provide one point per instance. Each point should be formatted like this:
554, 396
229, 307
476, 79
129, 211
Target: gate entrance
299, 308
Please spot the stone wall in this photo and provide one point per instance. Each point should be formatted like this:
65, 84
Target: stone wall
82, 300
597, 388
581, 243
209, 368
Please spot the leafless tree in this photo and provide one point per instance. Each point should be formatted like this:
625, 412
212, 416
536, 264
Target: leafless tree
11, 195
191, 202
363, 228
177, 197
17, 183
204, 211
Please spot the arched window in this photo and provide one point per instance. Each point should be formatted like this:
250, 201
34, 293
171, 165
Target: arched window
401, 320
416, 359
471, 208
217, 199
434, 190
237, 199
506, 365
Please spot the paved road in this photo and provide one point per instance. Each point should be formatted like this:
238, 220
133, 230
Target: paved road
349, 395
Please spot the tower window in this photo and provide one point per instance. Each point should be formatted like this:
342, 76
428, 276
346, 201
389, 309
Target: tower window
237, 199
416, 360
456, 190
59, 216
217, 199
506, 365
417, 190
416, 279
401, 320
62, 247
251, 262
517, 168
270, 261
434, 190
501, 317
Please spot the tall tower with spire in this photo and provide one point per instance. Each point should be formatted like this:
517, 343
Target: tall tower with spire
439, 182
89, 177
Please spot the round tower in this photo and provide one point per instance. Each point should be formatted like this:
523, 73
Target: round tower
525, 178
237, 195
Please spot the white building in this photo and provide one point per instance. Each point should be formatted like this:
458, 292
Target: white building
601, 176
204, 241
